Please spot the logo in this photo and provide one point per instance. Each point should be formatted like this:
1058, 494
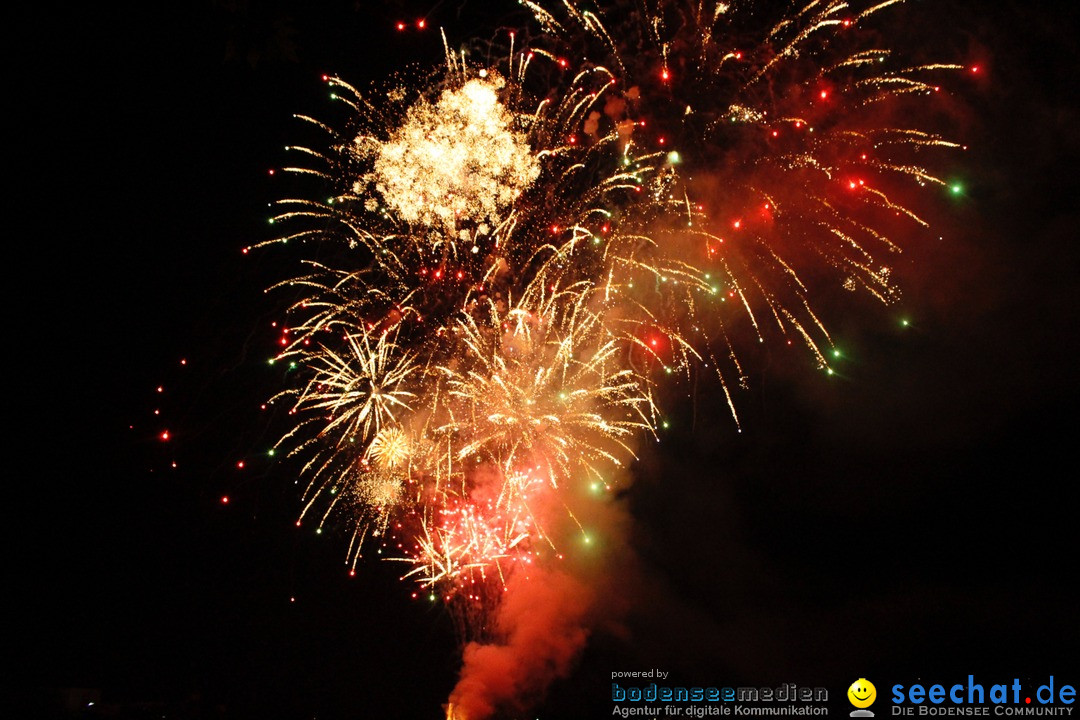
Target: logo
975, 698
862, 694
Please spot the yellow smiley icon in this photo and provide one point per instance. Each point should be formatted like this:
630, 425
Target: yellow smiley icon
862, 693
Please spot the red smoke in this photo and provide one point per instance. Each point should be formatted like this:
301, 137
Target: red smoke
542, 625
550, 608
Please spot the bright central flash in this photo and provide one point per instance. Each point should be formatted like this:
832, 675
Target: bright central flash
459, 158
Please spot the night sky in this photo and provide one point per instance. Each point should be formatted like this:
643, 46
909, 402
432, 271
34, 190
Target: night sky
913, 515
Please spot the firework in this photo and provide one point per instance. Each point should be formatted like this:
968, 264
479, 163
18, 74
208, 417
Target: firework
797, 145
480, 343
513, 254
461, 157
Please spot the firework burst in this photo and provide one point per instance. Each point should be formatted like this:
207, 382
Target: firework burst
482, 320
513, 254
796, 146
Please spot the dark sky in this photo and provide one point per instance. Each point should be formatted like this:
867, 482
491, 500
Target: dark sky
915, 514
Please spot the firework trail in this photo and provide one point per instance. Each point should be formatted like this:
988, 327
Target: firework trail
508, 256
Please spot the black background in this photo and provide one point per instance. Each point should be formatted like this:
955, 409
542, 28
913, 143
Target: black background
911, 517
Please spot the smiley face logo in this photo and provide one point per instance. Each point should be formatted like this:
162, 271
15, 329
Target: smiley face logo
862, 693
